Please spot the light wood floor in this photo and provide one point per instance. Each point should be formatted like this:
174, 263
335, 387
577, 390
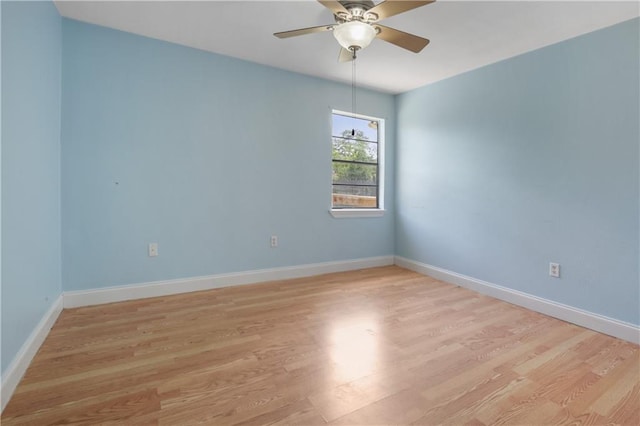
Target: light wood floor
378, 346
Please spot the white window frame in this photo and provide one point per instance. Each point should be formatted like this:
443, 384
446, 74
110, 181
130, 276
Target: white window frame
375, 212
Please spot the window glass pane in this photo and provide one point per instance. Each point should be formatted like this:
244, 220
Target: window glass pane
355, 150
364, 129
354, 197
355, 146
355, 174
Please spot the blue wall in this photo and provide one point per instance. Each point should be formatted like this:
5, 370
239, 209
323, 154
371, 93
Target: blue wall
531, 160
31, 52
204, 154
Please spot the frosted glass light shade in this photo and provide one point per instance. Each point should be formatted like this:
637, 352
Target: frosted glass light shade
354, 34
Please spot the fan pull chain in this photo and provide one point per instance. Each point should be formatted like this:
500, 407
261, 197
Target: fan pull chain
353, 88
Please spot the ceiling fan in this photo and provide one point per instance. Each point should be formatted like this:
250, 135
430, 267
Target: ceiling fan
357, 25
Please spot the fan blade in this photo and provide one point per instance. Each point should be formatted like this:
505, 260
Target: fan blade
303, 31
400, 38
335, 6
389, 8
345, 55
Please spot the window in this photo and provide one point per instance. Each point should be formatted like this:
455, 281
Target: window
357, 172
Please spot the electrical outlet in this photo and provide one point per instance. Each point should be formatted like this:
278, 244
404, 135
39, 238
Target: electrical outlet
274, 241
554, 270
153, 249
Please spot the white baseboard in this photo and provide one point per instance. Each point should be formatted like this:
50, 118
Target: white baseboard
23, 358
600, 323
74, 299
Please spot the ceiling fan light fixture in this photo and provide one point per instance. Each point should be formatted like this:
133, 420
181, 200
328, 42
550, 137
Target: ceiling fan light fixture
354, 34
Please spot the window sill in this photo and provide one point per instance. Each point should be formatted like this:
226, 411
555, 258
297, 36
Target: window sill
348, 213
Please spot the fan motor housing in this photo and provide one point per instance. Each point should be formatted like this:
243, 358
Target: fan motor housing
357, 12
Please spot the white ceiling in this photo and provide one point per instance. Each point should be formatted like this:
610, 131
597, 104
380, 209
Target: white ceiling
464, 34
